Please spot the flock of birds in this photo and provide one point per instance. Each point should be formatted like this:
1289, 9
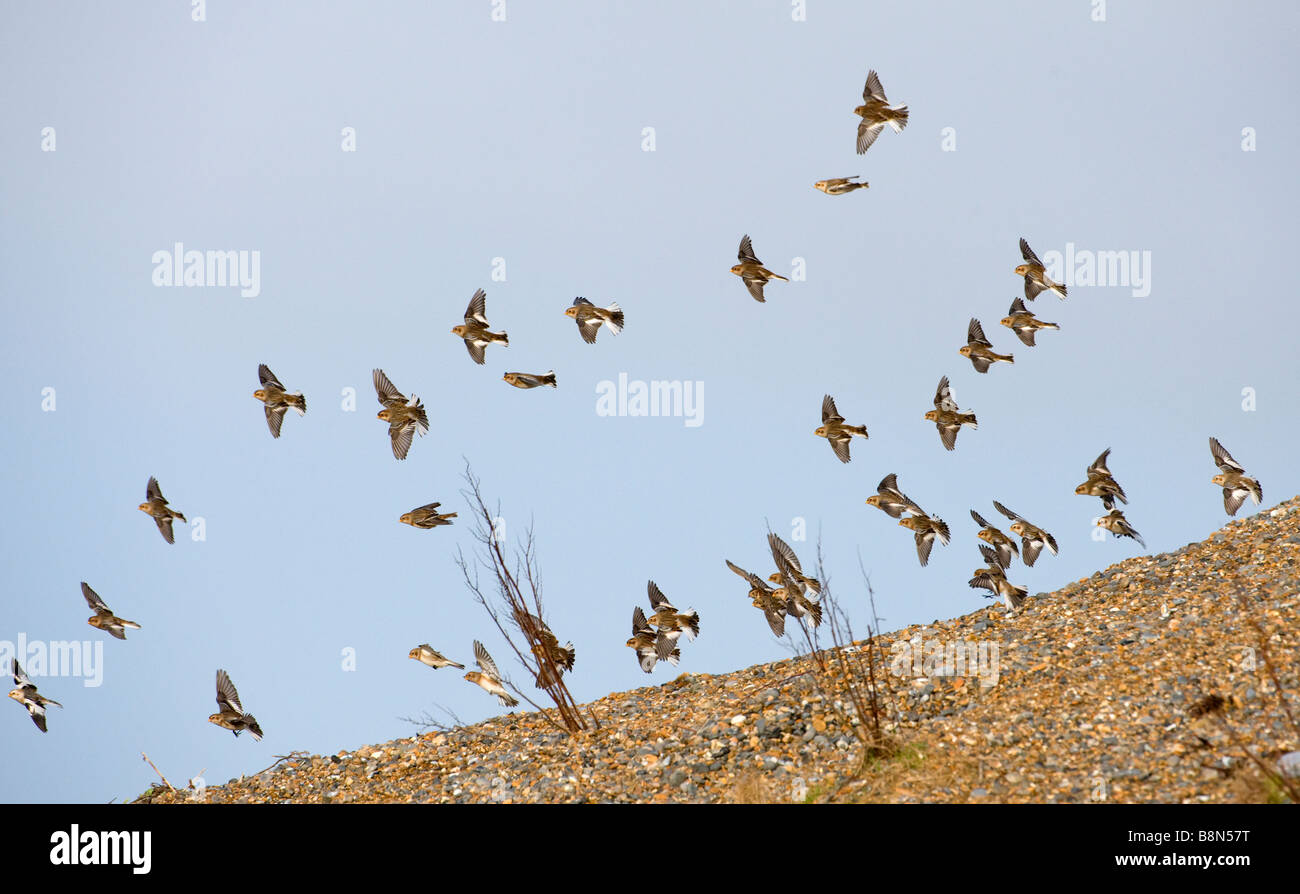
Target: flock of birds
786, 591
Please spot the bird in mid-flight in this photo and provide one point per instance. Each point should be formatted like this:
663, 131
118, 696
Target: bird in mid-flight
876, 112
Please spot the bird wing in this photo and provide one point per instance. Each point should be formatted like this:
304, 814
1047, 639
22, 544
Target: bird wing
386, 390
476, 311
227, 696
1028, 253
93, 598
266, 377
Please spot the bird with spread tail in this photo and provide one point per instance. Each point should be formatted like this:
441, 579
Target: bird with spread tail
590, 318
1101, 483
927, 529
946, 415
1233, 479
546, 647
104, 619
668, 619
24, 692
277, 401
838, 186
488, 677
752, 272
836, 431
876, 112
231, 714
1035, 274
156, 507
404, 417
475, 329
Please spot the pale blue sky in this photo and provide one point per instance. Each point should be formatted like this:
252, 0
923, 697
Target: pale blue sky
522, 140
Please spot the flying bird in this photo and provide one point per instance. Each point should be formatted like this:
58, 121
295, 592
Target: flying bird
997, 584
876, 112
890, 500
231, 715
24, 692
946, 416
1119, 526
1035, 274
426, 516
838, 186
488, 677
589, 318
836, 431
530, 380
104, 618
475, 329
1003, 544
1232, 478
277, 400
927, 528
156, 506
671, 622
794, 583
1032, 537
979, 350
546, 646
427, 654
752, 272
1023, 322
404, 417
1101, 484
651, 647
764, 599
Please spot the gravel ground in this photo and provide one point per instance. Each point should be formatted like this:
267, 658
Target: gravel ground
1088, 693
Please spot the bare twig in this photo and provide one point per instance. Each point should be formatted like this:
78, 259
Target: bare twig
156, 770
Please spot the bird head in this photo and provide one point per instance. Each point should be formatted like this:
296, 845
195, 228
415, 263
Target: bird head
571, 312
143, 507
874, 500
964, 350
406, 520
1022, 270
737, 269
1018, 528
1005, 321
821, 431
932, 415
1218, 479
458, 330
260, 394
820, 184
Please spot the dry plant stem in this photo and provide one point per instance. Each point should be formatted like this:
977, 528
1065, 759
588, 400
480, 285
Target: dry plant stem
536, 659
156, 770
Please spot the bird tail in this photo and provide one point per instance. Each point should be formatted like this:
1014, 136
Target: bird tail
567, 655
177, 515
549, 379
1009, 358
969, 419
778, 276
899, 121
857, 429
298, 402
131, 625
615, 323
508, 701
504, 340
1049, 326
1059, 287
692, 619
250, 723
